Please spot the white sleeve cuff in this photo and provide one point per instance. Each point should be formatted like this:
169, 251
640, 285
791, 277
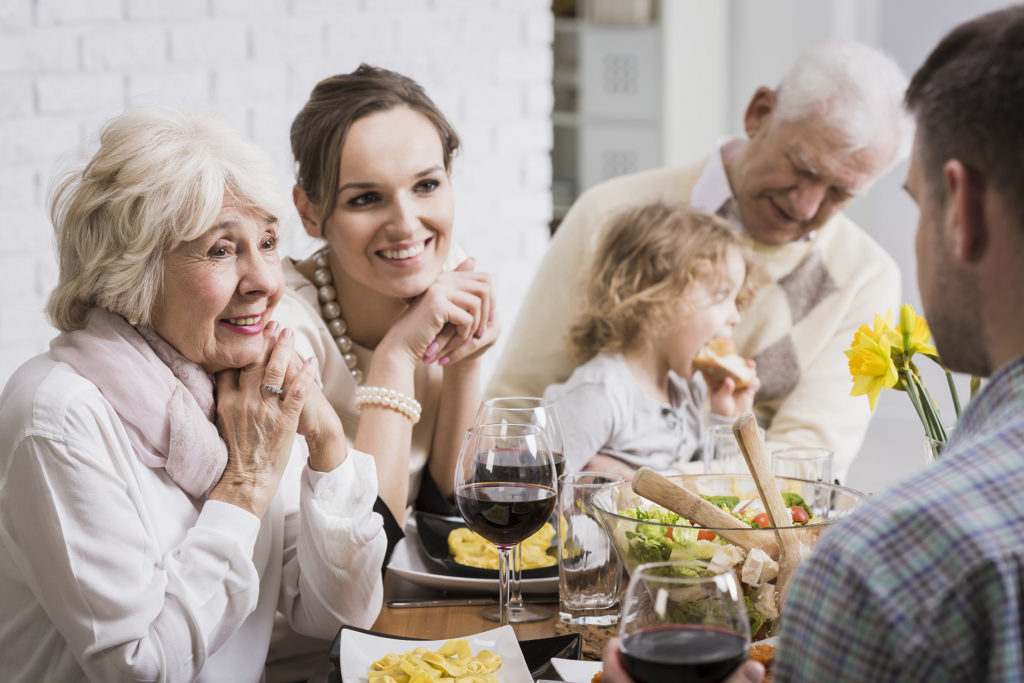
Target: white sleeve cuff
238, 525
340, 503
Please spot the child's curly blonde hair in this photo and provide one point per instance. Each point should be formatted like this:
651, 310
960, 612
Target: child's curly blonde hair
649, 256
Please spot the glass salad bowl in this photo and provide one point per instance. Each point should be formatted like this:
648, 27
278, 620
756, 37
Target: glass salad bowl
642, 531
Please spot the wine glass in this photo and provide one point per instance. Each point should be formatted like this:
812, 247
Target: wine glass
524, 410
505, 484
681, 622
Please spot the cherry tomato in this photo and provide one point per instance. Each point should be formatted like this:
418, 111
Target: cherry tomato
762, 520
705, 535
799, 515
669, 533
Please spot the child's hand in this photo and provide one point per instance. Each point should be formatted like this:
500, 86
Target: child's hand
729, 401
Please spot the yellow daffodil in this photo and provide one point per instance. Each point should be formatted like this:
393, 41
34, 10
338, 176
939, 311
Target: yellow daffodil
914, 334
882, 330
871, 366
880, 357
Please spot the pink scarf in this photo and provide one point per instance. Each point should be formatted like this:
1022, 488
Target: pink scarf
165, 401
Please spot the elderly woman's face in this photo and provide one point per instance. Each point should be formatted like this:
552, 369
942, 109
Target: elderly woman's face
220, 289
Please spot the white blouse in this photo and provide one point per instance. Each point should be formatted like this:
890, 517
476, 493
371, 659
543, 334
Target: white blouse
109, 571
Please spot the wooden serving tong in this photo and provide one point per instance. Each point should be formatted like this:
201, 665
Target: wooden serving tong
671, 496
755, 452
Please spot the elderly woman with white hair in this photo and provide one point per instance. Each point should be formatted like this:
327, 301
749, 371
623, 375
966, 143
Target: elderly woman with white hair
170, 476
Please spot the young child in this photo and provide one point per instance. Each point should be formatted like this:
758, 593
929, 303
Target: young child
666, 279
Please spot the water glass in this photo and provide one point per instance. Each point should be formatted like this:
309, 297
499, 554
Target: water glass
589, 571
804, 462
810, 463
722, 454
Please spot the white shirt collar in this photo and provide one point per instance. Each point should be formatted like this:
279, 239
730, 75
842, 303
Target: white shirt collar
712, 192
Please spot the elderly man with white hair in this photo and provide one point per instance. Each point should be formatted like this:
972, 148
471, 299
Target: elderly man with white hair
832, 126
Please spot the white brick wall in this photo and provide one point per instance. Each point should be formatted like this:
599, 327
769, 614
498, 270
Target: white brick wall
68, 65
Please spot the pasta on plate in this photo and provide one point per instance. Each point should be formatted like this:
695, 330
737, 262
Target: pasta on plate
453, 661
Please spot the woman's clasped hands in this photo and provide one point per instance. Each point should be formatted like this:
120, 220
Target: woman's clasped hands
259, 424
453, 320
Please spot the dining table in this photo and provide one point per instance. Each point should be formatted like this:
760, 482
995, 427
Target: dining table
447, 621
454, 621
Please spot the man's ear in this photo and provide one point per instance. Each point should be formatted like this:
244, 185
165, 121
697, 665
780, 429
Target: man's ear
965, 192
308, 212
759, 111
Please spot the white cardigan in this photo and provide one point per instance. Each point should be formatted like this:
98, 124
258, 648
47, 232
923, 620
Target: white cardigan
109, 571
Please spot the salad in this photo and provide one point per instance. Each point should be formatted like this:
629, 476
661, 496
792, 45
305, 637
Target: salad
685, 542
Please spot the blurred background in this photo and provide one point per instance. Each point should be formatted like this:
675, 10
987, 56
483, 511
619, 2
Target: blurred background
548, 98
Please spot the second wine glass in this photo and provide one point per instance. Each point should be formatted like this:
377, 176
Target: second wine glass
682, 622
524, 410
505, 484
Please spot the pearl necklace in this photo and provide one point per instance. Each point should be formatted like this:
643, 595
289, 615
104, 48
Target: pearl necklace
331, 312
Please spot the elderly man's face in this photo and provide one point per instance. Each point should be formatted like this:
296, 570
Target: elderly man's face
220, 289
792, 177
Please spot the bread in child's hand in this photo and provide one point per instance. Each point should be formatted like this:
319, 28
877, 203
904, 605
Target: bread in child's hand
718, 360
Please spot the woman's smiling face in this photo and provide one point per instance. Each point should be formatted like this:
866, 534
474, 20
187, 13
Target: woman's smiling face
220, 289
390, 231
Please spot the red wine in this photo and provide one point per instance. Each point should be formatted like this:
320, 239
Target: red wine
505, 513
504, 465
694, 654
559, 462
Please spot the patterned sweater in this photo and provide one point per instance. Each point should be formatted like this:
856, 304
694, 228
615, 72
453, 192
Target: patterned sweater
796, 328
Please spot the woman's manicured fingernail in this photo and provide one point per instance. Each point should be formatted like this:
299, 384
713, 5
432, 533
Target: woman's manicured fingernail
490, 318
272, 326
432, 349
481, 332
444, 361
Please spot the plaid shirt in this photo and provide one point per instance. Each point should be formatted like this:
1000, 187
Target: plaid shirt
925, 582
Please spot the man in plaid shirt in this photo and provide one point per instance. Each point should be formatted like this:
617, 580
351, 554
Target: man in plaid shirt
925, 582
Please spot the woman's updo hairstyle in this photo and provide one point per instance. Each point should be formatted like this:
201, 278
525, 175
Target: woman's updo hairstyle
318, 131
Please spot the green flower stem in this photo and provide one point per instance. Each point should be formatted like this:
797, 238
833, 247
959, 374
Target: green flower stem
911, 389
932, 411
952, 392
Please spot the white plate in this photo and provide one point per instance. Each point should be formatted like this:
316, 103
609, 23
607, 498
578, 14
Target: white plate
575, 670
359, 650
410, 562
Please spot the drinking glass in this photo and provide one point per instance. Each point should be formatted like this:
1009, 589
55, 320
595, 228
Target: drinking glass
540, 412
505, 485
811, 463
722, 454
804, 462
680, 622
589, 571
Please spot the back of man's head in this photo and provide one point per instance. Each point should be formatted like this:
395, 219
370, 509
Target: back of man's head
857, 88
967, 98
